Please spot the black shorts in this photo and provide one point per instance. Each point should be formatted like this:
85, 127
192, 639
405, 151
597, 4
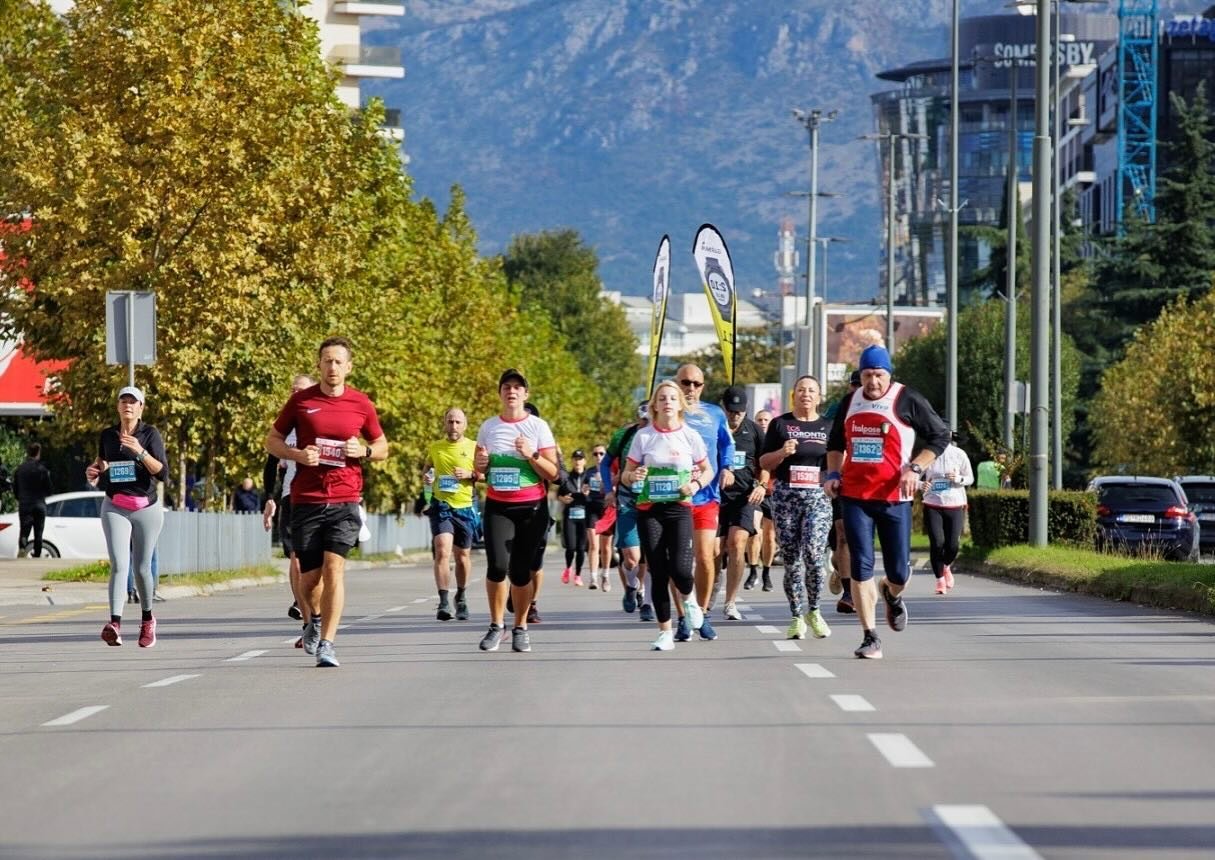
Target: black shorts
594, 510
736, 512
457, 522
765, 508
538, 555
284, 526
320, 528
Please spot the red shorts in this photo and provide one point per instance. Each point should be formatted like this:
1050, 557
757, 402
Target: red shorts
705, 516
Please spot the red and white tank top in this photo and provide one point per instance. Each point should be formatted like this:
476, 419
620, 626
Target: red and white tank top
878, 445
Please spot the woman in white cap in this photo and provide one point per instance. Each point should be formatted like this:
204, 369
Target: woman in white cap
944, 491
130, 460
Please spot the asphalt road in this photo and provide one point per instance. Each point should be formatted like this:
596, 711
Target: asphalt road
1004, 723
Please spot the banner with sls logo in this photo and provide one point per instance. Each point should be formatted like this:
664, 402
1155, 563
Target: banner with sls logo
717, 276
662, 288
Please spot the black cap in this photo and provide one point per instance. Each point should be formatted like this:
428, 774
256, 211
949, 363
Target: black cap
855, 378
578, 455
734, 399
510, 374
531, 407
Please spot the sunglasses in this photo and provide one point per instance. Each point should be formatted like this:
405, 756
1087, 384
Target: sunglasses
599, 453
691, 383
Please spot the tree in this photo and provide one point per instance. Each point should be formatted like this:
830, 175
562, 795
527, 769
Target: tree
992, 279
980, 370
1156, 407
757, 358
556, 273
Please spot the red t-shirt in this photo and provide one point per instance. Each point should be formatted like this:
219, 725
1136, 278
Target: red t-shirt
327, 422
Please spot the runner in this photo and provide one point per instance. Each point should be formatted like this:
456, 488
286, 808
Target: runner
574, 494
533, 613
130, 460
944, 492
662, 457
839, 582
709, 421
795, 449
328, 419
633, 572
599, 546
879, 427
761, 548
518, 453
449, 470
740, 502
278, 501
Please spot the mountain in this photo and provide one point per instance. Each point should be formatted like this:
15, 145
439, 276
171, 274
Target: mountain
625, 119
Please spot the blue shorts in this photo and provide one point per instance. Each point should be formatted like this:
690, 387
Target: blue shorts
892, 521
457, 522
627, 534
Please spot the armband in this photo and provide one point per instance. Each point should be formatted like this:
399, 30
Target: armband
832, 476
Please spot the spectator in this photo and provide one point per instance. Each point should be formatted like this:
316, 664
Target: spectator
31, 486
246, 499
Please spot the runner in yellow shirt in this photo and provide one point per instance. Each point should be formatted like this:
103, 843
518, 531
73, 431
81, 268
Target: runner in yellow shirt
449, 472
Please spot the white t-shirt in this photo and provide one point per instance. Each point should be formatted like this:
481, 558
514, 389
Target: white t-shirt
669, 456
512, 478
943, 493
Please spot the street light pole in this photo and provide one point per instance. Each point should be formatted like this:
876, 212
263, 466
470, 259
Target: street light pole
1010, 280
890, 251
1040, 316
951, 283
811, 120
1056, 410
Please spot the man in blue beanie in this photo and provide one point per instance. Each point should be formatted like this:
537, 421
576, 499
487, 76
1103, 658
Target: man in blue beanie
879, 427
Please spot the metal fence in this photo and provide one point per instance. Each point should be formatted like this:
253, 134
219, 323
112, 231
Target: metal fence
388, 533
194, 541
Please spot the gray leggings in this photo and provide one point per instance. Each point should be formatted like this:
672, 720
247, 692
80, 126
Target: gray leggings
127, 531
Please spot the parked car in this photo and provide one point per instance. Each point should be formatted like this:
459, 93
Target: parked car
73, 528
1149, 515
1200, 490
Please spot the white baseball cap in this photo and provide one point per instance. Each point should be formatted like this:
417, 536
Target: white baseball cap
137, 393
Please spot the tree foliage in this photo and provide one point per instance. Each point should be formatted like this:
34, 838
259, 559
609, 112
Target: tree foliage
757, 358
1156, 406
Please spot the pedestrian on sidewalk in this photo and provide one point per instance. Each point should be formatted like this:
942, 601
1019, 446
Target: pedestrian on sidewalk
31, 486
130, 461
245, 500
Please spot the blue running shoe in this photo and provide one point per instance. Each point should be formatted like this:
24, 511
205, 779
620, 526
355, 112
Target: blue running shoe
629, 601
682, 631
706, 631
647, 612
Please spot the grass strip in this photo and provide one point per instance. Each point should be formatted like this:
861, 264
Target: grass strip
99, 571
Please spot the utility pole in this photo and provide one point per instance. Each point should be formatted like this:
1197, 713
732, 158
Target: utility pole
1010, 280
951, 282
811, 120
1040, 315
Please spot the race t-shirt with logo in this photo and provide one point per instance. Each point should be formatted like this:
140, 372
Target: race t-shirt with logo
748, 445
709, 422
879, 437
804, 470
669, 457
327, 421
512, 477
447, 456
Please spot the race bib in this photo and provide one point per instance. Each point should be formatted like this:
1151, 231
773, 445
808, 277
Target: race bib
739, 461
504, 479
577, 513
804, 477
448, 483
636, 487
596, 483
866, 450
333, 451
662, 485
940, 485
122, 471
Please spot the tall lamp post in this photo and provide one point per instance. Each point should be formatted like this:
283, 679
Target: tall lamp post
811, 120
951, 276
820, 343
1040, 313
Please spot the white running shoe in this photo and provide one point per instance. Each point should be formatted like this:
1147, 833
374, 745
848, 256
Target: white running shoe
732, 613
696, 615
665, 641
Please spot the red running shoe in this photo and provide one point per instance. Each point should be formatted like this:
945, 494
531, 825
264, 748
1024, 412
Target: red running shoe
565, 576
948, 577
111, 634
147, 633
942, 588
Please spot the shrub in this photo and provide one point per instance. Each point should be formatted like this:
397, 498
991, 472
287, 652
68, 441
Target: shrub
1001, 517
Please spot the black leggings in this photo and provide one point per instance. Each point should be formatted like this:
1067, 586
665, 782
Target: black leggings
574, 533
944, 536
513, 532
666, 538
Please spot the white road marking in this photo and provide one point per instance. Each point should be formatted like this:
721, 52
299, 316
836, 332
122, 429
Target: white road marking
76, 715
754, 616
398, 608
899, 750
173, 679
767, 628
744, 607
814, 670
291, 641
422, 600
984, 836
248, 655
849, 702
786, 645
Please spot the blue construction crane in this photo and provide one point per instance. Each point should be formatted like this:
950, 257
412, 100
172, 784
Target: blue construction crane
1138, 52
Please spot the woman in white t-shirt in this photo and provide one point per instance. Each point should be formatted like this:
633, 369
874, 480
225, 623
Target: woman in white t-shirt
671, 461
944, 492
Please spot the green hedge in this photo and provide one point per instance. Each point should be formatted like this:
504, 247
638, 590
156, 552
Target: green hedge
1001, 517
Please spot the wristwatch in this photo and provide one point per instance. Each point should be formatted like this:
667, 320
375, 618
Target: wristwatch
367, 452
535, 455
917, 468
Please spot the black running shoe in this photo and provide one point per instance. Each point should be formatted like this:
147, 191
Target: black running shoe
519, 640
461, 610
896, 610
871, 648
293, 611
444, 613
750, 583
491, 640
767, 581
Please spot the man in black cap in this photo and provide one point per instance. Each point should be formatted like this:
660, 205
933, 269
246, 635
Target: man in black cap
741, 500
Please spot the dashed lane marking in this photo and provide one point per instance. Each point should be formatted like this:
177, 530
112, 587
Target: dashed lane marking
814, 670
982, 835
422, 600
786, 645
754, 616
172, 679
744, 607
852, 703
248, 655
76, 715
899, 750
767, 628
397, 609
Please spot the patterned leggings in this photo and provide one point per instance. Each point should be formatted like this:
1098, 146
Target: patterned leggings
803, 520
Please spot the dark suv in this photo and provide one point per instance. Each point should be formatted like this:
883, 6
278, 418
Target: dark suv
1200, 490
1149, 515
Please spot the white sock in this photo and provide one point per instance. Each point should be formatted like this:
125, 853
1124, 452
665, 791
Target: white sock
630, 575
649, 584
